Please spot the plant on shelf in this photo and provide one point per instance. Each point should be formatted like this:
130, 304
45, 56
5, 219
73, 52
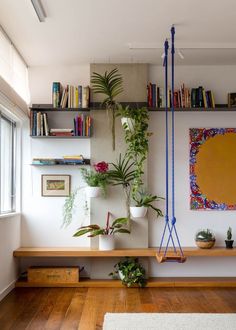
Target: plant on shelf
143, 201
131, 272
205, 239
229, 242
126, 114
106, 234
121, 173
96, 179
110, 85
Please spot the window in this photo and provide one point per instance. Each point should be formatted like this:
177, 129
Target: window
7, 162
13, 68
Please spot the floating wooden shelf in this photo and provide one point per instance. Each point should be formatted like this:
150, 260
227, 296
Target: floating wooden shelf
60, 137
153, 282
139, 252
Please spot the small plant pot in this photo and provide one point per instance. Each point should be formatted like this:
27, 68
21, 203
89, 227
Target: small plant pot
138, 211
93, 192
205, 245
229, 244
106, 242
121, 275
128, 123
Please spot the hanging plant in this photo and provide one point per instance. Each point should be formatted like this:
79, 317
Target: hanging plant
137, 146
110, 85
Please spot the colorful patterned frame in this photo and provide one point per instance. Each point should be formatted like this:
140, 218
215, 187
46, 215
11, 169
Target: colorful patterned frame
199, 201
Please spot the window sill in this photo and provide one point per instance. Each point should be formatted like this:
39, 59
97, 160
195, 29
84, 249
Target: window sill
9, 215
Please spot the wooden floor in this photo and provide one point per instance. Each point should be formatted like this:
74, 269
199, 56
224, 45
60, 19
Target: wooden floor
84, 308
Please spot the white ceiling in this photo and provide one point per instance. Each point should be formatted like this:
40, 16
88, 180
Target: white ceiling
87, 31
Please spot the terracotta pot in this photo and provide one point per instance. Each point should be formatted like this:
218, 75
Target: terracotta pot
205, 245
138, 211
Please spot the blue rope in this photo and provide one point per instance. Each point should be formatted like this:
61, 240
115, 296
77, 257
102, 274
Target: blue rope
172, 228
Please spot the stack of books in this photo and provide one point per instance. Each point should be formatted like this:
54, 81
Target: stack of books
183, 97
61, 132
70, 96
66, 160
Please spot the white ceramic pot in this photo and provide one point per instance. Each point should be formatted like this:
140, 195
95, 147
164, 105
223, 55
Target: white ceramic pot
92, 192
121, 275
138, 211
106, 242
128, 123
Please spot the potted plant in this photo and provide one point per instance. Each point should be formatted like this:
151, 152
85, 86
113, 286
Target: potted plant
130, 271
143, 201
96, 179
106, 234
109, 84
125, 113
229, 242
205, 239
121, 174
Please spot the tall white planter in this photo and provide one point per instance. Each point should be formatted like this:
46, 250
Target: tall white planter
138, 211
128, 123
92, 192
106, 242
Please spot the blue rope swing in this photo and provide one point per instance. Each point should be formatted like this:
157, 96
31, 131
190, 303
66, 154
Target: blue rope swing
177, 254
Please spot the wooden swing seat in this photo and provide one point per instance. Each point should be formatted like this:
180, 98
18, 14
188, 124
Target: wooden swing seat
173, 258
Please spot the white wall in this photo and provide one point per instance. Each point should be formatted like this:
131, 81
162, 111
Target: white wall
9, 241
42, 216
221, 80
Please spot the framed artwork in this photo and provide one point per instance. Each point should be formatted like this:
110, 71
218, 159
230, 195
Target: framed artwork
212, 168
55, 185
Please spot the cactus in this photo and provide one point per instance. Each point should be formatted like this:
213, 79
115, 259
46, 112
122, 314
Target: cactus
229, 234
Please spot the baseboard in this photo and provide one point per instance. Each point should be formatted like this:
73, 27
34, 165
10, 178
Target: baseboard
8, 289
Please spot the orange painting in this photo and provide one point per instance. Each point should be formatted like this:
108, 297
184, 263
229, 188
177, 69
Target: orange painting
213, 168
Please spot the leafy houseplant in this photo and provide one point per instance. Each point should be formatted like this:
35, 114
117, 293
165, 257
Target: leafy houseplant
137, 146
205, 239
229, 242
106, 234
131, 272
121, 173
143, 201
97, 179
110, 85
126, 115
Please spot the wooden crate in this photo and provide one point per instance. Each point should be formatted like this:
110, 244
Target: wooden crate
53, 274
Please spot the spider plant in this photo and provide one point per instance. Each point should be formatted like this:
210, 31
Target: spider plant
122, 174
110, 85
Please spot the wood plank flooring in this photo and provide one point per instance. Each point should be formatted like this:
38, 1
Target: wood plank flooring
84, 308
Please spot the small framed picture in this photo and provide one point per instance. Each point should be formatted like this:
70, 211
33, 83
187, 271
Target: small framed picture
232, 100
55, 185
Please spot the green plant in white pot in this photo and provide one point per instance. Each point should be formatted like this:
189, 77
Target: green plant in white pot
143, 201
106, 234
96, 179
126, 114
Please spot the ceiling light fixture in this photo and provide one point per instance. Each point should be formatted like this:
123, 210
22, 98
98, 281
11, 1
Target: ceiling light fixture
39, 10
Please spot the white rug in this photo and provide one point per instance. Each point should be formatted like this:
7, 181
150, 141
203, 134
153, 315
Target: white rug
164, 321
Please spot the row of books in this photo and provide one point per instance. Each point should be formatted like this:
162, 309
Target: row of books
66, 160
82, 126
70, 96
183, 97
